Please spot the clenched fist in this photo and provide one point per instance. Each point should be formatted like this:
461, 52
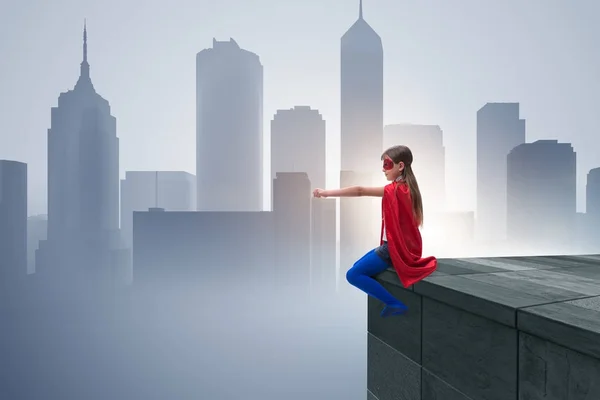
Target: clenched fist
320, 193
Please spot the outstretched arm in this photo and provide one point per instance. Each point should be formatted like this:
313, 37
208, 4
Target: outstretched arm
351, 191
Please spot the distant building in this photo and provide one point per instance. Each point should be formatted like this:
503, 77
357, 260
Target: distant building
499, 130
83, 185
141, 190
177, 246
292, 227
229, 129
37, 229
272, 248
13, 222
541, 196
298, 144
361, 136
426, 142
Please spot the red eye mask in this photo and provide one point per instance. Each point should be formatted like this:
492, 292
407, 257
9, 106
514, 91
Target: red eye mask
388, 164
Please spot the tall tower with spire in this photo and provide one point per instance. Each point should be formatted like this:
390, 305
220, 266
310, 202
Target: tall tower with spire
361, 97
361, 136
83, 182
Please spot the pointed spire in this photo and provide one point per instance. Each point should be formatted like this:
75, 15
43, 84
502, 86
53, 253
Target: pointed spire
84, 77
84, 40
85, 67
360, 13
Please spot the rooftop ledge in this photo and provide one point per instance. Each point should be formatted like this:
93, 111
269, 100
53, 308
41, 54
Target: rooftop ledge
490, 329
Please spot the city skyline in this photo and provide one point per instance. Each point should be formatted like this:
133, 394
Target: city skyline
167, 281
456, 140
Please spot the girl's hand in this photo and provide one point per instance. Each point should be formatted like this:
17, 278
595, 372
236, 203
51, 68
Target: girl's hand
320, 193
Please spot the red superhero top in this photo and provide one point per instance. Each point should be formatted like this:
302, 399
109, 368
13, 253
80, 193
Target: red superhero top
403, 235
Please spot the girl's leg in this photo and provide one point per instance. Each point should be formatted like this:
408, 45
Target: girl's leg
360, 275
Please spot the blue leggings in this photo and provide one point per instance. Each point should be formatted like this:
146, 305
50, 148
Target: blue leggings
361, 276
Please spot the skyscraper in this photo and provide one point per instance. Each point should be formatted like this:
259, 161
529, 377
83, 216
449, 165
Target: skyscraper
83, 180
361, 97
541, 196
13, 222
298, 143
229, 129
499, 130
361, 136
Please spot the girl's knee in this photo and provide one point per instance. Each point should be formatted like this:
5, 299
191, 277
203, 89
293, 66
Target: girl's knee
356, 271
351, 275
369, 265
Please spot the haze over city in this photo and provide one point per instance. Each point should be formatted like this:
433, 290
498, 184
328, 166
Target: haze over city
158, 234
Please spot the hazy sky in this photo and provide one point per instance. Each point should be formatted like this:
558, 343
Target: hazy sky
443, 61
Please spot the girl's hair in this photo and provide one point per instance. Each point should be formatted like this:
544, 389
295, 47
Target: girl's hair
403, 154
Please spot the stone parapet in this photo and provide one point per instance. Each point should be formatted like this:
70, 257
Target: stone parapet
490, 329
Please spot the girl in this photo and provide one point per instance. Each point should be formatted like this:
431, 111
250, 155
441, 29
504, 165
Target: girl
400, 242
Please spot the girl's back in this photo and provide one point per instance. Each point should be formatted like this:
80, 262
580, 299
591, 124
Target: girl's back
409, 228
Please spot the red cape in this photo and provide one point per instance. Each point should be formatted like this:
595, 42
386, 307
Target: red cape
403, 235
